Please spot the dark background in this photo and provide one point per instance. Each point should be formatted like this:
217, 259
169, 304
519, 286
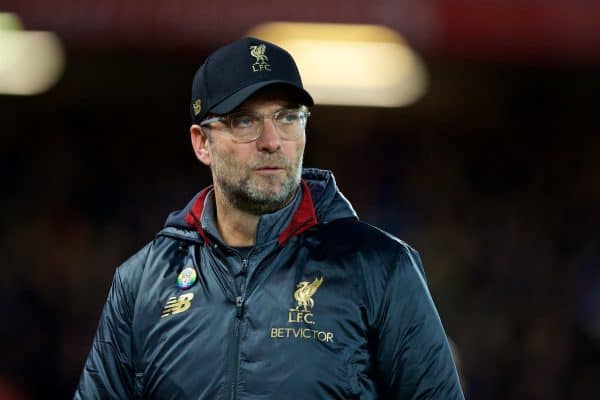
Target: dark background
492, 176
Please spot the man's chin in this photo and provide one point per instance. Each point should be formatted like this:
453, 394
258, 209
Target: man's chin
261, 203
269, 185
272, 196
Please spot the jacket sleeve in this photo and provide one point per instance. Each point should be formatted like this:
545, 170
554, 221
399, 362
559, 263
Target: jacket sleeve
413, 356
108, 372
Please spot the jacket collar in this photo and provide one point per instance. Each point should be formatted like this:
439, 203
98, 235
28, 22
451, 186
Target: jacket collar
302, 219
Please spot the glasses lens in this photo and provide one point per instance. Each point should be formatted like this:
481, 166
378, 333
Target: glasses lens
291, 123
287, 117
247, 126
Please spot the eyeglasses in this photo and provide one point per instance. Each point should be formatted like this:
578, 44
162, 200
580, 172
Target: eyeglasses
247, 126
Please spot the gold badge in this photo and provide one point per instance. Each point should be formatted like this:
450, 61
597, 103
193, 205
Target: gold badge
303, 295
177, 305
261, 63
301, 317
304, 302
197, 105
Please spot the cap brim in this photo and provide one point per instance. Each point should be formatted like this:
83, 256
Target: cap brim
232, 102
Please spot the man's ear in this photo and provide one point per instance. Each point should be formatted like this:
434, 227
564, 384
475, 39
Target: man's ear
200, 144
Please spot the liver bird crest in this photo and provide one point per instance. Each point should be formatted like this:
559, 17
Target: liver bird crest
258, 52
304, 293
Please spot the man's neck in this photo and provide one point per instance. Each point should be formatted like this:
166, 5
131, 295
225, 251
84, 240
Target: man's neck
237, 227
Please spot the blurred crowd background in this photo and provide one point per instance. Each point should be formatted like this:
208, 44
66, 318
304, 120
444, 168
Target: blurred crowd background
493, 175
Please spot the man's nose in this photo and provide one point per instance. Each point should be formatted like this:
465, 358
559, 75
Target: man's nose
269, 139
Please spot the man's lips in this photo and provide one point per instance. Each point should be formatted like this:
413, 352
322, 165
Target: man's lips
269, 169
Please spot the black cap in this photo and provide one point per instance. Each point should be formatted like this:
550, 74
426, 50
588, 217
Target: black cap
236, 71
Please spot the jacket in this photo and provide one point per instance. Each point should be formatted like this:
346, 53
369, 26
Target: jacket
329, 308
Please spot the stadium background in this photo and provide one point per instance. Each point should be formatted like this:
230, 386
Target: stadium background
492, 175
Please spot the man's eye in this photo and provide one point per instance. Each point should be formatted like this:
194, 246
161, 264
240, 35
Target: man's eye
288, 117
242, 121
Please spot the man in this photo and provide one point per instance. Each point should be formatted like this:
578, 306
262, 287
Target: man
266, 285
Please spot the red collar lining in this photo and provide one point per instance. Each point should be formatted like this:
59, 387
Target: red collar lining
194, 216
303, 219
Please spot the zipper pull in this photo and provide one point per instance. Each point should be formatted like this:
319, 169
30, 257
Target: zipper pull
239, 304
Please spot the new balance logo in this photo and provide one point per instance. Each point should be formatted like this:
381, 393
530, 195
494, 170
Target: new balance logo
177, 305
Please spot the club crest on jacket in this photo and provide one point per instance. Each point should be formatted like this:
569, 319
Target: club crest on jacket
304, 293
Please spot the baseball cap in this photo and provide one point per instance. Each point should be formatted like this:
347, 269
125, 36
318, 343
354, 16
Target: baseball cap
236, 71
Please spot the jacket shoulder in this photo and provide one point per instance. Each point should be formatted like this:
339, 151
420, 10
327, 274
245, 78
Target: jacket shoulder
380, 263
134, 265
352, 236
131, 271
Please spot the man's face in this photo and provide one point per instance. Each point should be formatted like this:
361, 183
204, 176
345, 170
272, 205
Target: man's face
261, 176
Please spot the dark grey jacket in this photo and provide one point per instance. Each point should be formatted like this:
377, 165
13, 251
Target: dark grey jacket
328, 308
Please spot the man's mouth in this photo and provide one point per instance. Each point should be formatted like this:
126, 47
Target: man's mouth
269, 169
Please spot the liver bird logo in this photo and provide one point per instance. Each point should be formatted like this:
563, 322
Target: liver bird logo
258, 52
304, 293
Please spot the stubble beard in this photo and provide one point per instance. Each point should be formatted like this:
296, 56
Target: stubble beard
257, 194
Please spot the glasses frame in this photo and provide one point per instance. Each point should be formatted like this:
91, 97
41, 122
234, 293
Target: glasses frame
226, 119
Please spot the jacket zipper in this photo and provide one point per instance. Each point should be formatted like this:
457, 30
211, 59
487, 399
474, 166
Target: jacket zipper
239, 305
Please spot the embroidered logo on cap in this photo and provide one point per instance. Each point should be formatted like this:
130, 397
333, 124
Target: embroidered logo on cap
197, 107
261, 63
